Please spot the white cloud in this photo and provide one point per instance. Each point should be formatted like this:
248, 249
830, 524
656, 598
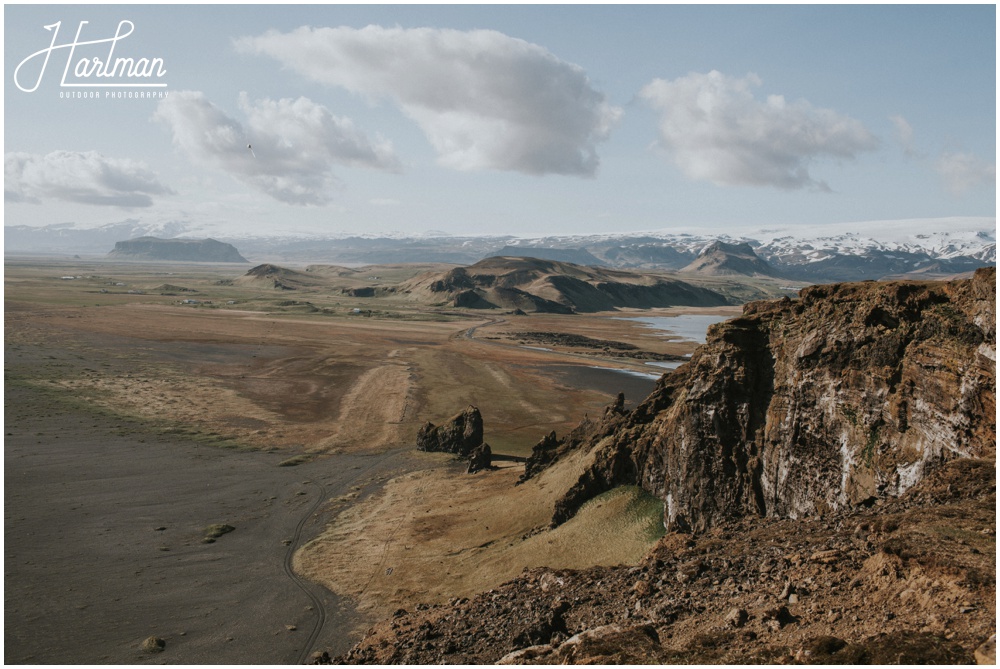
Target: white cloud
904, 135
82, 177
716, 130
483, 99
295, 143
964, 171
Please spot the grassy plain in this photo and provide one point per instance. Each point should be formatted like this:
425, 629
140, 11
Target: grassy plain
197, 353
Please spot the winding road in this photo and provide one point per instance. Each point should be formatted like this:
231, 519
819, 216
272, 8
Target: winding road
306, 586
339, 482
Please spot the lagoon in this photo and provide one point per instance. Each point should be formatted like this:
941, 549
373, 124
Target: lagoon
686, 327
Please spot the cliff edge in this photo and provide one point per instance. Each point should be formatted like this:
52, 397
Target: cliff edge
849, 394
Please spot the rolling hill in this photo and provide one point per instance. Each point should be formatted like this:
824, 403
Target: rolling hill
550, 286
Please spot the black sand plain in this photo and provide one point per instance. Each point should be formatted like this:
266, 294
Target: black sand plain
104, 528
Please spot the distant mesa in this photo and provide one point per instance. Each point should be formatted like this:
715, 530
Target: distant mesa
181, 250
551, 286
722, 259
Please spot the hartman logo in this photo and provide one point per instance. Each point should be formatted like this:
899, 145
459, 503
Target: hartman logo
92, 64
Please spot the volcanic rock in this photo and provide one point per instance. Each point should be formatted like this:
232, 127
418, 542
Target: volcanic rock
847, 395
737, 617
608, 645
480, 458
912, 558
460, 435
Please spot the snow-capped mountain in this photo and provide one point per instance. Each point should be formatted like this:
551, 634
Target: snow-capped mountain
814, 253
851, 251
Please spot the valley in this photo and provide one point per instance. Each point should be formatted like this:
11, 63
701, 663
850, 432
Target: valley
326, 387
500, 334
284, 404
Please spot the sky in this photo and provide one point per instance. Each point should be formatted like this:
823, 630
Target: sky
497, 119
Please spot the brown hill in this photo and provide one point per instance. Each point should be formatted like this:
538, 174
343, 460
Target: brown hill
281, 278
722, 259
532, 284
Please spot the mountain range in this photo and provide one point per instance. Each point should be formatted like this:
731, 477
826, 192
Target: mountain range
814, 254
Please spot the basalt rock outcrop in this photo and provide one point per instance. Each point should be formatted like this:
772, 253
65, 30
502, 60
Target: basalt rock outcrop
550, 447
481, 458
461, 434
849, 394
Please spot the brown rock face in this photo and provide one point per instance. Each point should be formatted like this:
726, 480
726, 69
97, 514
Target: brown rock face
803, 407
480, 458
460, 435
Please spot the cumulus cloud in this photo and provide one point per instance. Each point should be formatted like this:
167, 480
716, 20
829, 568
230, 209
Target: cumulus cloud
964, 171
483, 99
82, 177
715, 129
296, 143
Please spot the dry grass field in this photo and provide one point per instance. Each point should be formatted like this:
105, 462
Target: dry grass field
314, 373
439, 534
194, 353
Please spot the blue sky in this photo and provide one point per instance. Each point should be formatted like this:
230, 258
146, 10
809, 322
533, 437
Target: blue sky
506, 119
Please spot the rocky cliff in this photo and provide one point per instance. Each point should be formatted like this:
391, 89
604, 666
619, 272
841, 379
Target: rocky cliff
799, 408
461, 434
